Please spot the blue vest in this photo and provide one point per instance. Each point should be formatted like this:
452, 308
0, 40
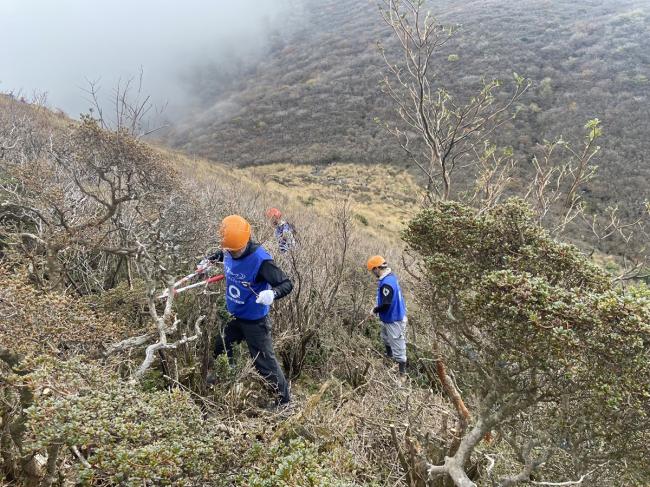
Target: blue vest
240, 284
397, 310
284, 234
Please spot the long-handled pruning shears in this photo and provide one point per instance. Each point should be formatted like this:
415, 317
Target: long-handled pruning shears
205, 282
201, 269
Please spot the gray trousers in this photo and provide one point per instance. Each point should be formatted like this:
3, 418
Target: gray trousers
394, 337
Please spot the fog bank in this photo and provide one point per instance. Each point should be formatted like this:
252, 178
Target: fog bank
54, 46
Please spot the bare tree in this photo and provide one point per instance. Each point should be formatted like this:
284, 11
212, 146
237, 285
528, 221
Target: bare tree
131, 110
560, 171
438, 131
166, 324
85, 194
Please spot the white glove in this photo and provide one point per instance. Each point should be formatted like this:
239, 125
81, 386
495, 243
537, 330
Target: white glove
266, 297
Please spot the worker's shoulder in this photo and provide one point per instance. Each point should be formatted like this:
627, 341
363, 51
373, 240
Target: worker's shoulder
386, 285
390, 279
260, 251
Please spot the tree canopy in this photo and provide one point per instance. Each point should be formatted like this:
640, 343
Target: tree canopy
557, 358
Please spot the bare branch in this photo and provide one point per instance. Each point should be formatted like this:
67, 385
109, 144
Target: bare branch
569, 482
447, 131
80, 457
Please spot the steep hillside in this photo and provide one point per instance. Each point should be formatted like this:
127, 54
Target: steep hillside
106, 382
73, 291
313, 99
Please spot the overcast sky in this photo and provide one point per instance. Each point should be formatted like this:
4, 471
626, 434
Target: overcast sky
54, 45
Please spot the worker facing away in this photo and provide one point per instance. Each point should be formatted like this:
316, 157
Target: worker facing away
253, 283
284, 231
391, 311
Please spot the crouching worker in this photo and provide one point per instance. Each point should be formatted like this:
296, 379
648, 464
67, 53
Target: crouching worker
391, 310
253, 283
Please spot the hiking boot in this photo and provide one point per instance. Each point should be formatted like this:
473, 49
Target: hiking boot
402, 368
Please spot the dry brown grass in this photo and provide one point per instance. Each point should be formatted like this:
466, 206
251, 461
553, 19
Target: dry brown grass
385, 196
40, 321
49, 119
382, 197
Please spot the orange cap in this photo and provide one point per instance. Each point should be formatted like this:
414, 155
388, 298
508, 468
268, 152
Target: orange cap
235, 232
375, 261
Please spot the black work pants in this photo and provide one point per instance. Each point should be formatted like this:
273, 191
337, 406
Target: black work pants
257, 335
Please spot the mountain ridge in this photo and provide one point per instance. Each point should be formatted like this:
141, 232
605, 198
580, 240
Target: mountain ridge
315, 96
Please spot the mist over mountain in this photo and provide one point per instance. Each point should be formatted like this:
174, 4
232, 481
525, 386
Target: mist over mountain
314, 95
54, 47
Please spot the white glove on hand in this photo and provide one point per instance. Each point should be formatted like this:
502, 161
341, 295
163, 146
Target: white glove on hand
266, 297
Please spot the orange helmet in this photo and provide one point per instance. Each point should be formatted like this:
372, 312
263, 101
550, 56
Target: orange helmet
235, 232
375, 261
273, 213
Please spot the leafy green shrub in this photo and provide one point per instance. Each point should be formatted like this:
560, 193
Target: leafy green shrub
297, 463
362, 219
127, 436
556, 356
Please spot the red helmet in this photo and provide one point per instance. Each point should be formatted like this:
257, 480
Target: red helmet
273, 213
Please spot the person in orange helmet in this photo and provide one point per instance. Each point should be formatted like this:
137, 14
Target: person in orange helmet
284, 231
391, 309
253, 283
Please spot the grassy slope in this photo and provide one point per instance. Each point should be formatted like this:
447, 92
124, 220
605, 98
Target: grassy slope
329, 418
381, 210
314, 97
23, 308
381, 205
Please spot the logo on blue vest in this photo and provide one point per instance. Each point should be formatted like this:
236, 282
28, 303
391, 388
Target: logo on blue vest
235, 293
